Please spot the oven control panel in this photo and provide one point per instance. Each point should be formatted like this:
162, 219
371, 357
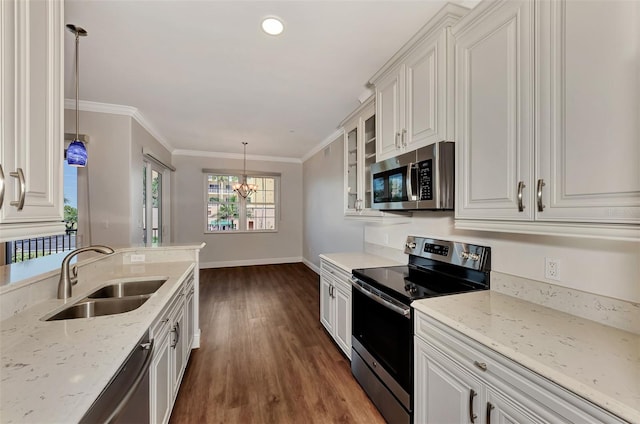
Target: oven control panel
436, 249
456, 253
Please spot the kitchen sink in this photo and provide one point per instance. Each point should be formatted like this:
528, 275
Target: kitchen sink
94, 308
128, 288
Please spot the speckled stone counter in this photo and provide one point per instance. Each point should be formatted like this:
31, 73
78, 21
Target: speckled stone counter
352, 260
595, 361
53, 371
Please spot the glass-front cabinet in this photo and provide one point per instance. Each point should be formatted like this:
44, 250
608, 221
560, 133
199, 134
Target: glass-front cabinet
359, 155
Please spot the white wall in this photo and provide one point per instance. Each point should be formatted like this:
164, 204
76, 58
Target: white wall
605, 267
108, 171
325, 228
240, 248
114, 172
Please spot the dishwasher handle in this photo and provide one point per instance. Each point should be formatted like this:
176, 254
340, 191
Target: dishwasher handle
136, 383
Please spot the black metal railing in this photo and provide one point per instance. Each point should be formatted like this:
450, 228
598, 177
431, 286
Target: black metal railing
23, 250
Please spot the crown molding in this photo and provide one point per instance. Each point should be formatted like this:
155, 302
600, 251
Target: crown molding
223, 155
130, 111
324, 143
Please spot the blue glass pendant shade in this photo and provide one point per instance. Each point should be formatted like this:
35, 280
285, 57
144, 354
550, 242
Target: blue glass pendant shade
77, 154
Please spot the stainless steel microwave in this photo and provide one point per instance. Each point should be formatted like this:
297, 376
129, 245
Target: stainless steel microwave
421, 179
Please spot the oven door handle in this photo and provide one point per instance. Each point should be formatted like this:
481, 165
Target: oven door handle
364, 289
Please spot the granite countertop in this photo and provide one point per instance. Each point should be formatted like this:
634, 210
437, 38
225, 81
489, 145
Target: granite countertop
352, 260
53, 371
595, 361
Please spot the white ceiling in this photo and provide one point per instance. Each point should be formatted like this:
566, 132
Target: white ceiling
206, 78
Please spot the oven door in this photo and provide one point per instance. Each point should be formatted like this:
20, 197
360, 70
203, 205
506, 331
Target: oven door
382, 336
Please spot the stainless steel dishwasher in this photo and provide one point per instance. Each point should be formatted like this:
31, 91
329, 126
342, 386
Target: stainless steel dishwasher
126, 397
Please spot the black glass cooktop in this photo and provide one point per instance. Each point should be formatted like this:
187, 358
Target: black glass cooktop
410, 282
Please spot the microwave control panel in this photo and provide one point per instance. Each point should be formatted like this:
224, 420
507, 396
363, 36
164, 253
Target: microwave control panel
425, 179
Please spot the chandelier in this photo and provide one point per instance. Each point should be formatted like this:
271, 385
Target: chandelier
245, 190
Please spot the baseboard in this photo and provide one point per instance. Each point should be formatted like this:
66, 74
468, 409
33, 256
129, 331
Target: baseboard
249, 262
315, 268
196, 340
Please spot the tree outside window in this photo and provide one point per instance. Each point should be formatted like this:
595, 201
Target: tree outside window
227, 212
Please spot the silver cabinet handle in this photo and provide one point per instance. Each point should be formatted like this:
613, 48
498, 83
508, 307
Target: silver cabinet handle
397, 143
521, 187
481, 365
539, 194
1, 187
472, 416
23, 189
404, 138
176, 329
490, 408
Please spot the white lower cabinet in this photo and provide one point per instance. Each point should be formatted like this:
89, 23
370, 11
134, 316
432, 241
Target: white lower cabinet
335, 304
458, 380
173, 337
160, 377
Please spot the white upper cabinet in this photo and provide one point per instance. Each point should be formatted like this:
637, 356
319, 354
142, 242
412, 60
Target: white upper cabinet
494, 99
546, 128
414, 91
359, 155
588, 131
31, 114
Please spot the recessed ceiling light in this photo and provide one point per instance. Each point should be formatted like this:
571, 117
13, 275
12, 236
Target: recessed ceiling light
272, 26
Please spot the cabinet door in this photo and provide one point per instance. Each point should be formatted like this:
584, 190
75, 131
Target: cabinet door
189, 320
31, 95
160, 381
177, 347
499, 408
390, 111
589, 148
444, 392
343, 317
351, 160
327, 304
427, 79
494, 122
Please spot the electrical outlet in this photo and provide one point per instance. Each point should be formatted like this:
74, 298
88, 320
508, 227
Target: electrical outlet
137, 258
386, 238
552, 269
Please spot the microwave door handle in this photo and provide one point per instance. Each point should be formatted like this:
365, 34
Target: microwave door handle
408, 182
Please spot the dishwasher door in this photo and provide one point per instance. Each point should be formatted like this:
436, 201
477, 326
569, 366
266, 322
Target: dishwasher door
126, 397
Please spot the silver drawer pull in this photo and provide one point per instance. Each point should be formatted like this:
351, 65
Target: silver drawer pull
521, 187
481, 365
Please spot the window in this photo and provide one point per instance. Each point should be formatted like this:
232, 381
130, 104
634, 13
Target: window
155, 217
227, 212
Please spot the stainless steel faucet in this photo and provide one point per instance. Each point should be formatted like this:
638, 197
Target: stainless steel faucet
66, 280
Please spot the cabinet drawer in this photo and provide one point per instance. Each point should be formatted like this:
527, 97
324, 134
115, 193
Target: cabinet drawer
337, 273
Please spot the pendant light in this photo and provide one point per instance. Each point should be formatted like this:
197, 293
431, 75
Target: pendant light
245, 190
77, 152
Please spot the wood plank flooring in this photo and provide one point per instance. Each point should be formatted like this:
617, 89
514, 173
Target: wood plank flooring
264, 356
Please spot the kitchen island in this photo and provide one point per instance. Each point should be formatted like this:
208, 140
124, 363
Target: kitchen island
52, 371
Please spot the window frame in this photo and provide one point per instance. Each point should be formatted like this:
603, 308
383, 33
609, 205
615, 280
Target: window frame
242, 203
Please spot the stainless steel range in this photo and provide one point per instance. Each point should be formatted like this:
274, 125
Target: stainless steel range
382, 327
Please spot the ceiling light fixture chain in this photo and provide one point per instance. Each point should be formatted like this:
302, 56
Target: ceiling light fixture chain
243, 189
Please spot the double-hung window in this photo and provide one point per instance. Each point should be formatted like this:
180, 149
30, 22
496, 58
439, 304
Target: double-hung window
228, 212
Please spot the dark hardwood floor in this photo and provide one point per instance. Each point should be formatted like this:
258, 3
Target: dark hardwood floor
264, 356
